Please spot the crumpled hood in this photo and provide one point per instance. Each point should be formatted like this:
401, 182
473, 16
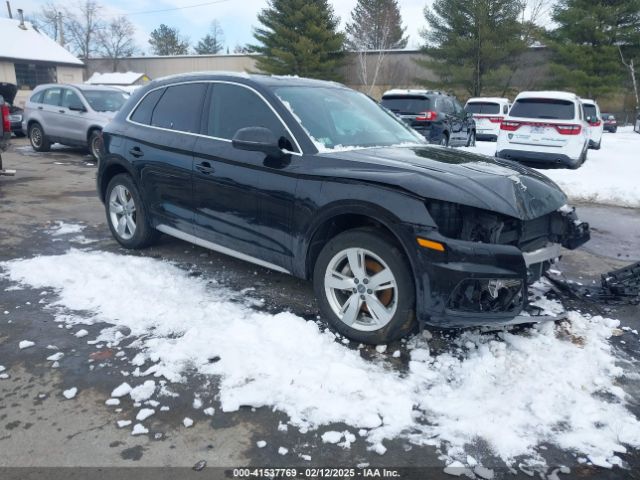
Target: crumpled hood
456, 176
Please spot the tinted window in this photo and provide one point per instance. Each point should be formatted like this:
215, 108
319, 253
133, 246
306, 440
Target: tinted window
590, 111
180, 108
234, 107
483, 107
52, 96
71, 99
543, 108
143, 113
37, 98
105, 100
445, 105
456, 105
407, 105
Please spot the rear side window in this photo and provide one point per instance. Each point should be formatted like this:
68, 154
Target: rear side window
546, 108
590, 110
37, 98
143, 113
406, 104
180, 108
445, 105
234, 107
483, 107
52, 96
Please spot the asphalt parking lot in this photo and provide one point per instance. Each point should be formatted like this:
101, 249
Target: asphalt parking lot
40, 428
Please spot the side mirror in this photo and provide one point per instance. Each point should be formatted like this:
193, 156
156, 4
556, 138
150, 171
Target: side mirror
77, 107
257, 139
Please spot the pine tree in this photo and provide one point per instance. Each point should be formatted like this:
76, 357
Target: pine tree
299, 37
211, 43
167, 41
473, 44
376, 25
588, 43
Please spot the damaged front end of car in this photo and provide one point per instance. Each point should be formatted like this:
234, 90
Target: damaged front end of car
489, 259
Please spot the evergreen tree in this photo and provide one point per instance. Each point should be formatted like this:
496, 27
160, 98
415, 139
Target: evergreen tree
165, 40
211, 43
376, 25
299, 37
473, 44
588, 43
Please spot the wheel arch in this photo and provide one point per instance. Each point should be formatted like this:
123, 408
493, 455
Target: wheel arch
92, 129
111, 170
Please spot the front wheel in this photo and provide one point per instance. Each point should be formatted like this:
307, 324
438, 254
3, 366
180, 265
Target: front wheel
39, 141
365, 288
126, 214
95, 144
444, 141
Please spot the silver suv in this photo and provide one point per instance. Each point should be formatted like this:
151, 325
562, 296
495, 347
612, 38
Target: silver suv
73, 115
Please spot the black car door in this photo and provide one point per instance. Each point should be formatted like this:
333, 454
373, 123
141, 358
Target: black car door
465, 121
243, 200
162, 152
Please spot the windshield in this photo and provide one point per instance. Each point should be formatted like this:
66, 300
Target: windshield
483, 107
543, 108
336, 118
105, 100
407, 105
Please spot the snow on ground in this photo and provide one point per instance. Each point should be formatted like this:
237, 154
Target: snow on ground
555, 384
63, 228
610, 175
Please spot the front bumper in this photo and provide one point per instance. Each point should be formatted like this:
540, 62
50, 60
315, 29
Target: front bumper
480, 284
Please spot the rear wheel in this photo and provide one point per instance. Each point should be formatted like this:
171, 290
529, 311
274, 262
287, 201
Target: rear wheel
126, 214
471, 138
444, 141
365, 288
95, 144
39, 141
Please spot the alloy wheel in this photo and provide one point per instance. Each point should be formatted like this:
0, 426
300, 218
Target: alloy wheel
95, 147
36, 136
361, 289
122, 212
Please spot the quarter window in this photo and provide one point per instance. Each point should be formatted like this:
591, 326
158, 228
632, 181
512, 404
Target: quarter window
143, 113
52, 96
180, 108
37, 98
234, 107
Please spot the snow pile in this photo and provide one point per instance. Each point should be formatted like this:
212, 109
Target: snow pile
610, 175
548, 384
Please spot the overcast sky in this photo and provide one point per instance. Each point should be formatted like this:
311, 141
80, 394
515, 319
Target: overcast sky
237, 17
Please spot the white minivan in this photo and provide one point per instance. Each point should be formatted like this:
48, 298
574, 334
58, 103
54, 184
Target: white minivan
545, 129
596, 125
488, 112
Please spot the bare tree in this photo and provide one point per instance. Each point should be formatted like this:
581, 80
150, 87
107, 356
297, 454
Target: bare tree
48, 20
632, 74
84, 27
364, 56
116, 40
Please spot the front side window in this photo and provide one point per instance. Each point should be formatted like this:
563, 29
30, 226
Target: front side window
338, 117
180, 108
52, 96
234, 107
487, 108
70, 99
105, 100
543, 108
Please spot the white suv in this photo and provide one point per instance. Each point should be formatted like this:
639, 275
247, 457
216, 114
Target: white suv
545, 129
596, 125
488, 112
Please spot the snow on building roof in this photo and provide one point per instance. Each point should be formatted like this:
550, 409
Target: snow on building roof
28, 44
115, 78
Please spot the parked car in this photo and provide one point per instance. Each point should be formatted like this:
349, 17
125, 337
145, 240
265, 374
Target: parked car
610, 122
5, 133
316, 180
594, 120
437, 116
488, 113
8, 92
545, 129
73, 115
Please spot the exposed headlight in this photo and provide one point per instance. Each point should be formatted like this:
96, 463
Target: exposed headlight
15, 118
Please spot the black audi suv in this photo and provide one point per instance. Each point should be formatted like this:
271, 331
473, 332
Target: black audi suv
317, 180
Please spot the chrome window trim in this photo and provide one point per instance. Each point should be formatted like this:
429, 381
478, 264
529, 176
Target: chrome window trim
187, 237
128, 119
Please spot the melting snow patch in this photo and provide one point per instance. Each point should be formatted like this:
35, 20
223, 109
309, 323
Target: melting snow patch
209, 411
25, 344
144, 413
55, 357
556, 384
121, 390
283, 451
261, 444
63, 228
187, 422
81, 333
70, 393
112, 402
139, 429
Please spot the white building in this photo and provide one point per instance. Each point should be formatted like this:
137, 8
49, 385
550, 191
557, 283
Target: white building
29, 58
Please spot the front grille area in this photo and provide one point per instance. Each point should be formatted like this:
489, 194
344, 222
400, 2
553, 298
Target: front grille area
487, 295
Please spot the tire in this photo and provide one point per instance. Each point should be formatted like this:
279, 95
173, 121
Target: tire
95, 144
471, 139
597, 147
614, 130
444, 141
136, 230
38, 139
381, 317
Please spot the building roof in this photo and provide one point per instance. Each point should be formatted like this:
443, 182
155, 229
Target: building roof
17, 43
115, 78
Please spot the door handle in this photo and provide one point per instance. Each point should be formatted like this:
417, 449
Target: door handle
205, 168
136, 152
